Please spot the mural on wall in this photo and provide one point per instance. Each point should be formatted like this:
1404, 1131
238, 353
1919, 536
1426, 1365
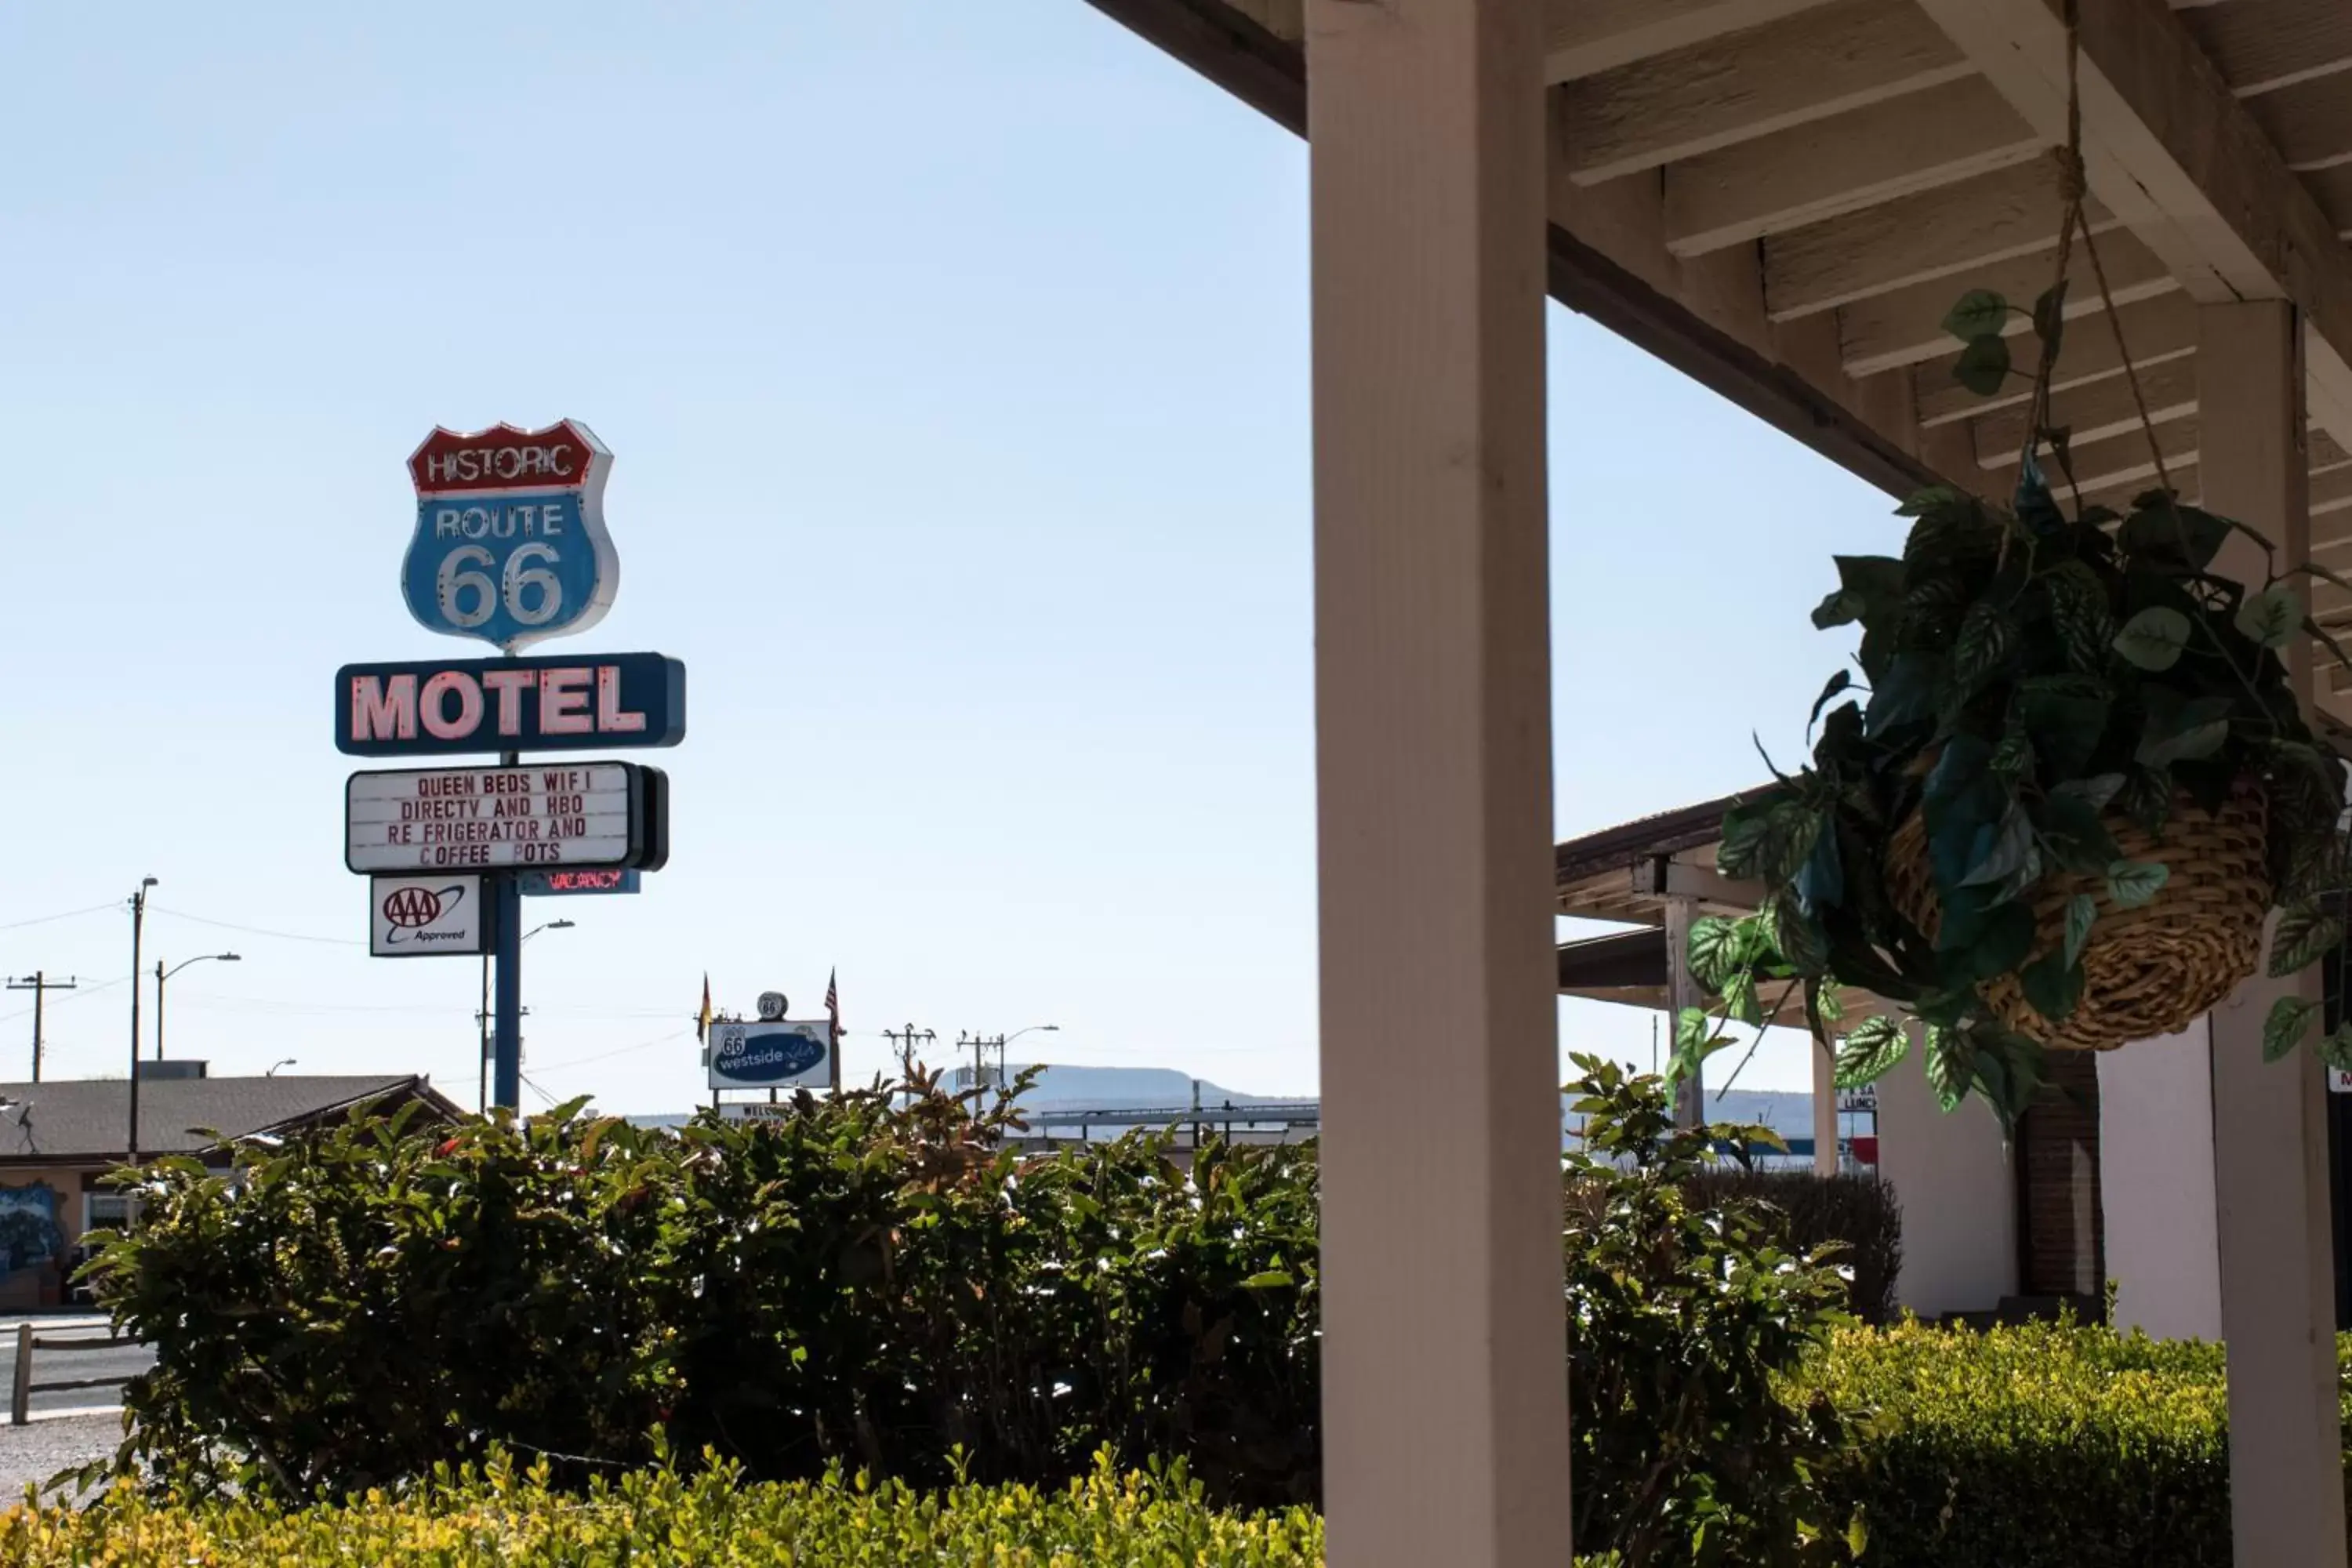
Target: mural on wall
28, 1227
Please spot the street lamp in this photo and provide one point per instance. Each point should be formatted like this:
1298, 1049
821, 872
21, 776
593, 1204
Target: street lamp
138, 923
482, 1018
1002, 1040
275, 1066
162, 975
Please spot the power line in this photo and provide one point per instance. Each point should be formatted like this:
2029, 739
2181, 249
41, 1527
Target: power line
69, 914
624, 1050
257, 931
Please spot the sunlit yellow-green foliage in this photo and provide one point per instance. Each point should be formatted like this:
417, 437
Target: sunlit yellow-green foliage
504, 1516
2059, 1443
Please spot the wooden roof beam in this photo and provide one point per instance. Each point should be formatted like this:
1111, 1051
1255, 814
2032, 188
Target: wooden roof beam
2097, 411
1906, 327
2172, 152
1585, 37
1825, 168
2155, 329
1822, 62
1956, 233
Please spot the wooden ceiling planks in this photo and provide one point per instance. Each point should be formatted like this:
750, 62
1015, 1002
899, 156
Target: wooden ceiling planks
1820, 62
1826, 168
1813, 181
1957, 232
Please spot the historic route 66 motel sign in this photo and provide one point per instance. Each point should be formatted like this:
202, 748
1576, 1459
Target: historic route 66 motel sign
510, 544
509, 547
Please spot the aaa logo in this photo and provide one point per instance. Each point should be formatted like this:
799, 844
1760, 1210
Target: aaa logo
412, 909
510, 545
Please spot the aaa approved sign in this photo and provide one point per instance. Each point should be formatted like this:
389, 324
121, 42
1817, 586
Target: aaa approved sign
479, 819
428, 916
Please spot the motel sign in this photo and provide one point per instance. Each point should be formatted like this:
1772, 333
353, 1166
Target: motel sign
510, 544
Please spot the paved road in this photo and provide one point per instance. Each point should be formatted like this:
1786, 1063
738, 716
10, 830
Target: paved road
31, 1454
50, 1366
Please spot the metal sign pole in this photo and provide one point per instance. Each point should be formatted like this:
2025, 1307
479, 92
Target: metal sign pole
507, 928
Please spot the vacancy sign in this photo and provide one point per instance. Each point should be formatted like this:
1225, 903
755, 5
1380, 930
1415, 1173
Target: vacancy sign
479, 819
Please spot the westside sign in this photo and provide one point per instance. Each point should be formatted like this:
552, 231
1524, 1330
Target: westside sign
433, 707
510, 545
577, 815
426, 917
778, 1054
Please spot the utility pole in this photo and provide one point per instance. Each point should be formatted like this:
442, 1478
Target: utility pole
138, 923
39, 986
906, 1040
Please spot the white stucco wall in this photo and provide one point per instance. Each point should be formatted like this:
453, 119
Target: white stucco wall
2156, 1182
1955, 1183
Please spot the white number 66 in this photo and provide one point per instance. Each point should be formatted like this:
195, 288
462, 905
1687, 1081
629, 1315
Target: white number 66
523, 570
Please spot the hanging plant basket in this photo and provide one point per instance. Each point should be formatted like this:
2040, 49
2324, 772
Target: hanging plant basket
2148, 971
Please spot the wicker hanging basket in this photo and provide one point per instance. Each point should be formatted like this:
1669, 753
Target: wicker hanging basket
2146, 972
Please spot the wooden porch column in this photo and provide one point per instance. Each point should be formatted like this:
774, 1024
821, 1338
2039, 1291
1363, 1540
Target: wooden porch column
1825, 1110
1446, 1410
2270, 1131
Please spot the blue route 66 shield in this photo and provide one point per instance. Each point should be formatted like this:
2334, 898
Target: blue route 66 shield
510, 544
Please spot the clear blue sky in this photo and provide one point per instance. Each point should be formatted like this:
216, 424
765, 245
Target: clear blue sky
955, 362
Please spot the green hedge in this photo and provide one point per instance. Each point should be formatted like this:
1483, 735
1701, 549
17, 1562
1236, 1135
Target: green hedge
657, 1518
2042, 1445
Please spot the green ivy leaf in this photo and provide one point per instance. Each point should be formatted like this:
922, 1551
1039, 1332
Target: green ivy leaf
1983, 365
2283, 1029
1951, 1066
1977, 312
2050, 316
2336, 1049
2133, 883
1739, 1001
2078, 609
1270, 1280
2076, 836
2270, 618
2052, 985
2082, 910
2094, 790
1715, 950
1871, 1048
2179, 731
2155, 638
1837, 683
2305, 934
2012, 848
1988, 634
2168, 535
1934, 499
1830, 1004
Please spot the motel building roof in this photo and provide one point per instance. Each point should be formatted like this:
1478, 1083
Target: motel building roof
75, 1121
1782, 199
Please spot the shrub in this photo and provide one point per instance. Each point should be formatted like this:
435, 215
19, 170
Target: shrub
860, 1283
1808, 1212
863, 1285
2042, 1446
496, 1517
1683, 1313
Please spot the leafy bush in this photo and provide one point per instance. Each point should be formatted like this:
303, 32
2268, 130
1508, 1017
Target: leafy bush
496, 1517
877, 1287
2042, 1446
859, 1283
1808, 1212
1683, 1314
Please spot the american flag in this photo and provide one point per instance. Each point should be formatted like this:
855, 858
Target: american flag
833, 1002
